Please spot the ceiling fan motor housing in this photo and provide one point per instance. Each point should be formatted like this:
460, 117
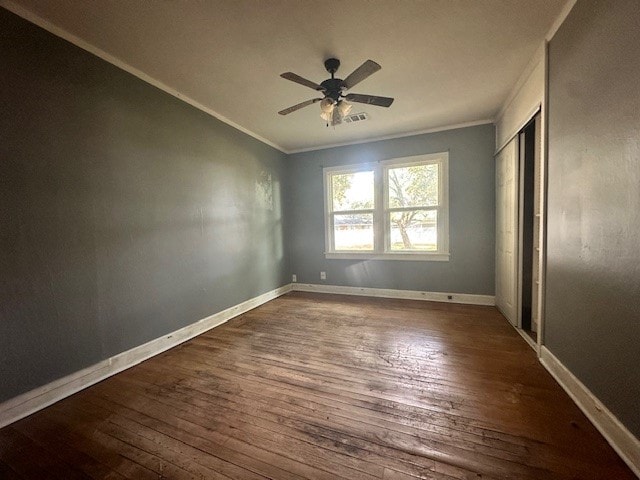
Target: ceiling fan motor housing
332, 65
333, 88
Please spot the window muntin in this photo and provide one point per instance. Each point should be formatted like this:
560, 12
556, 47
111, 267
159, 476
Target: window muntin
394, 209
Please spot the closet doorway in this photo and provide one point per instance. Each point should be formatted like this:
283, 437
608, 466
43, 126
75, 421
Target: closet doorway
518, 226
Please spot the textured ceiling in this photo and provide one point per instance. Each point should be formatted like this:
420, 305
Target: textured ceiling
446, 62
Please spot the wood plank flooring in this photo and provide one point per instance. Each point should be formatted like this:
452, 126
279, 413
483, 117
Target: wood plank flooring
323, 387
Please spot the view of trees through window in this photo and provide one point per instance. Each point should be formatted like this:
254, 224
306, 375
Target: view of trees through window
408, 189
353, 194
412, 201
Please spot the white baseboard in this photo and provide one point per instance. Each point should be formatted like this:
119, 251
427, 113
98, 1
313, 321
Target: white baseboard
618, 436
30, 402
532, 343
467, 298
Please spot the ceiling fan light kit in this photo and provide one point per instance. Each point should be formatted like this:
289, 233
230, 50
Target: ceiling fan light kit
335, 105
344, 108
326, 105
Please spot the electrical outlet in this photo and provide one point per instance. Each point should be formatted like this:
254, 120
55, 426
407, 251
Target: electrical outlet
294, 278
323, 275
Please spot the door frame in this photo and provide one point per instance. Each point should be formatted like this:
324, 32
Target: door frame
541, 245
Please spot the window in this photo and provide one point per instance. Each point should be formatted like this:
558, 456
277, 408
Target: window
396, 209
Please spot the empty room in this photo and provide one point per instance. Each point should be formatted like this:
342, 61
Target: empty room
293, 239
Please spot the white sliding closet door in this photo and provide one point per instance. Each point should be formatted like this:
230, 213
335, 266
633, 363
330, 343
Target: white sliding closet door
507, 231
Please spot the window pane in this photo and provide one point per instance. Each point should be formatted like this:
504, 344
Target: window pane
415, 186
352, 191
414, 230
353, 232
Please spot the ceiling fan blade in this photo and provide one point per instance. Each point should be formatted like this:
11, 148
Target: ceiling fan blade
302, 81
359, 74
369, 99
287, 111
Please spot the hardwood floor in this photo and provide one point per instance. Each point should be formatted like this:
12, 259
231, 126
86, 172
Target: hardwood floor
324, 387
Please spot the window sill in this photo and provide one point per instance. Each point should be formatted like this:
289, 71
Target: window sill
415, 257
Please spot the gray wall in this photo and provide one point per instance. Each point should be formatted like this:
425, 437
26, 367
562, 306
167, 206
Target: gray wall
593, 263
125, 213
472, 215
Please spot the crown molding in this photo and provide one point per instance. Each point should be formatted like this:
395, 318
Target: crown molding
396, 135
107, 57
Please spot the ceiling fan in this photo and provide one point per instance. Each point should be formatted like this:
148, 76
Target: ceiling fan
335, 104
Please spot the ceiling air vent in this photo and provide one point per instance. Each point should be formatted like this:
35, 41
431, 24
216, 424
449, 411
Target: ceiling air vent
356, 117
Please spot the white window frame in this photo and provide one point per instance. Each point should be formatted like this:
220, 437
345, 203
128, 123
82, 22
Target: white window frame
381, 228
